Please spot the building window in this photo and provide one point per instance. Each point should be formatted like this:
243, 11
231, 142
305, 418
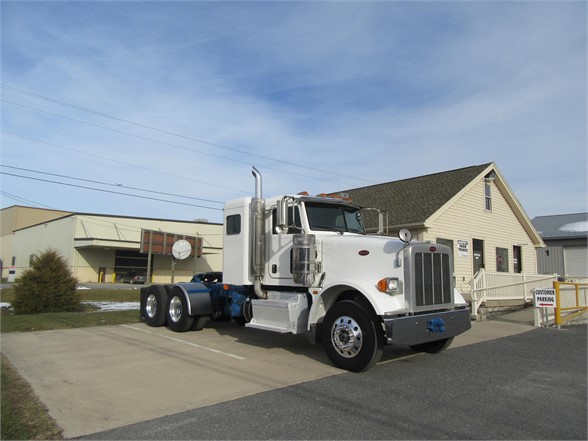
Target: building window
488, 180
13, 261
488, 195
233, 224
502, 260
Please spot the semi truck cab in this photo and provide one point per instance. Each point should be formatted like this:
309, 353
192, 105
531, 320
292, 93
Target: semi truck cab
304, 264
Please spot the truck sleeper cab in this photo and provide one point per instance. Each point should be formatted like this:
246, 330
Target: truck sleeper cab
304, 265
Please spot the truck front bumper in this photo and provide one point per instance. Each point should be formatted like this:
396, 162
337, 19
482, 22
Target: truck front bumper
417, 329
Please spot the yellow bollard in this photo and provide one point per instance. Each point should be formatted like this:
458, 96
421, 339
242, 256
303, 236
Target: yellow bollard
113, 277
557, 313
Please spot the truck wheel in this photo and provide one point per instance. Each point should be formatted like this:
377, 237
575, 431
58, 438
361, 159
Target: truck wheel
178, 319
154, 305
350, 337
433, 347
199, 323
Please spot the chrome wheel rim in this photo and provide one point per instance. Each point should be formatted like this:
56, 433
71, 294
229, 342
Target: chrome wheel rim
175, 309
347, 336
151, 306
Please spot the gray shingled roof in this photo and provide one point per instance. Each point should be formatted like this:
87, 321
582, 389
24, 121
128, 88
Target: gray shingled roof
562, 226
414, 200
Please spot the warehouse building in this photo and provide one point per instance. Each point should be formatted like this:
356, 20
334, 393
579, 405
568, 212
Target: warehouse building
566, 240
103, 248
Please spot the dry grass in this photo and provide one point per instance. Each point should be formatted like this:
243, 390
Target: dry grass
23, 415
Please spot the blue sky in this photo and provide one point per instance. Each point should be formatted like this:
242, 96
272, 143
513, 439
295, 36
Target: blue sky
184, 97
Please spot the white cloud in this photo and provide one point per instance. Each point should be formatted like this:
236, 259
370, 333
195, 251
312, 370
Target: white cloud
369, 92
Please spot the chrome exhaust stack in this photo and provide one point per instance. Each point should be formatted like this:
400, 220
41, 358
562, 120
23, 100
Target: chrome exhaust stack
258, 239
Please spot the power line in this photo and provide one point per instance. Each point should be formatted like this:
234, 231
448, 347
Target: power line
19, 199
121, 162
169, 144
110, 184
109, 191
167, 132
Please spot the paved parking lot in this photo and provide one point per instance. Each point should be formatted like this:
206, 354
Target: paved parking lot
96, 379
527, 386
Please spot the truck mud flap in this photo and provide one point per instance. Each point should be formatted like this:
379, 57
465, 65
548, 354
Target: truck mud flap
417, 329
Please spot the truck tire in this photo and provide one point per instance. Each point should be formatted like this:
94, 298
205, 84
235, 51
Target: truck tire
351, 339
433, 347
199, 323
154, 305
177, 316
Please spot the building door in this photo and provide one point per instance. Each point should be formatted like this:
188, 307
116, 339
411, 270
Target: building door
575, 261
478, 252
517, 259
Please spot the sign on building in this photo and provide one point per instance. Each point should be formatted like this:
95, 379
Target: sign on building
544, 297
160, 242
463, 248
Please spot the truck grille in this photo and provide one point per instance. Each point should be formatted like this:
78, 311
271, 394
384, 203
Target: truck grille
432, 279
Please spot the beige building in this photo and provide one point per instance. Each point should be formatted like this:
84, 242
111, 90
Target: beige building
103, 247
472, 210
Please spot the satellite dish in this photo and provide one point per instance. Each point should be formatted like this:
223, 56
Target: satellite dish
181, 249
404, 235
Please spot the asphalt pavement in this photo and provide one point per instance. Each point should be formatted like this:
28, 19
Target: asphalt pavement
503, 379
527, 386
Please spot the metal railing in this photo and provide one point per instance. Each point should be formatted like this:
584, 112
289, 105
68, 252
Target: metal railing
505, 286
567, 309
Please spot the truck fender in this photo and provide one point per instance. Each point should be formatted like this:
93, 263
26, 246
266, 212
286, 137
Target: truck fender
325, 300
197, 297
329, 296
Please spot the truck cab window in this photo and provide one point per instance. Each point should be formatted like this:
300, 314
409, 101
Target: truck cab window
233, 224
333, 217
294, 221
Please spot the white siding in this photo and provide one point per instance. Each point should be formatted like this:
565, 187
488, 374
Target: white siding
467, 219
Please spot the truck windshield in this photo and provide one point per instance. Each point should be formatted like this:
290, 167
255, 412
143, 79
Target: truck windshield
333, 217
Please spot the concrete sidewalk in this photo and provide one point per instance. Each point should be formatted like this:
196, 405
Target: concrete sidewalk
95, 379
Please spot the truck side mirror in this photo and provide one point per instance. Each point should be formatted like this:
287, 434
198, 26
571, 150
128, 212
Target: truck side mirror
282, 217
380, 222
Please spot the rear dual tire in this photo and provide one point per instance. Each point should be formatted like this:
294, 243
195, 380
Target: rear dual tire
160, 307
178, 319
154, 305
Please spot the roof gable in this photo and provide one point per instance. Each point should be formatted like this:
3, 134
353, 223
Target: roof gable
413, 201
419, 201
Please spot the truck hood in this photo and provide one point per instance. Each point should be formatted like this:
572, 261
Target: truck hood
352, 246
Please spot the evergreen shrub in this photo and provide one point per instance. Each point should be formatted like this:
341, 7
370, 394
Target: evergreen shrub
47, 286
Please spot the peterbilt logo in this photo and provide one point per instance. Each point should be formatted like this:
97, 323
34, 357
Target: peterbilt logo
363, 252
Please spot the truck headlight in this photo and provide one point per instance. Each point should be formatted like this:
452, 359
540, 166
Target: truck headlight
390, 285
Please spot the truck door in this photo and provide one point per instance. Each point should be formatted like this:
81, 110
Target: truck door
280, 253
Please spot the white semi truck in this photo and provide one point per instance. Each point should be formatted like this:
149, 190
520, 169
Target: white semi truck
304, 265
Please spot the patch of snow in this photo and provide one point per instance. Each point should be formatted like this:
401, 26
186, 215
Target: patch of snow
575, 227
83, 287
103, 306
114, 306
5, 305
